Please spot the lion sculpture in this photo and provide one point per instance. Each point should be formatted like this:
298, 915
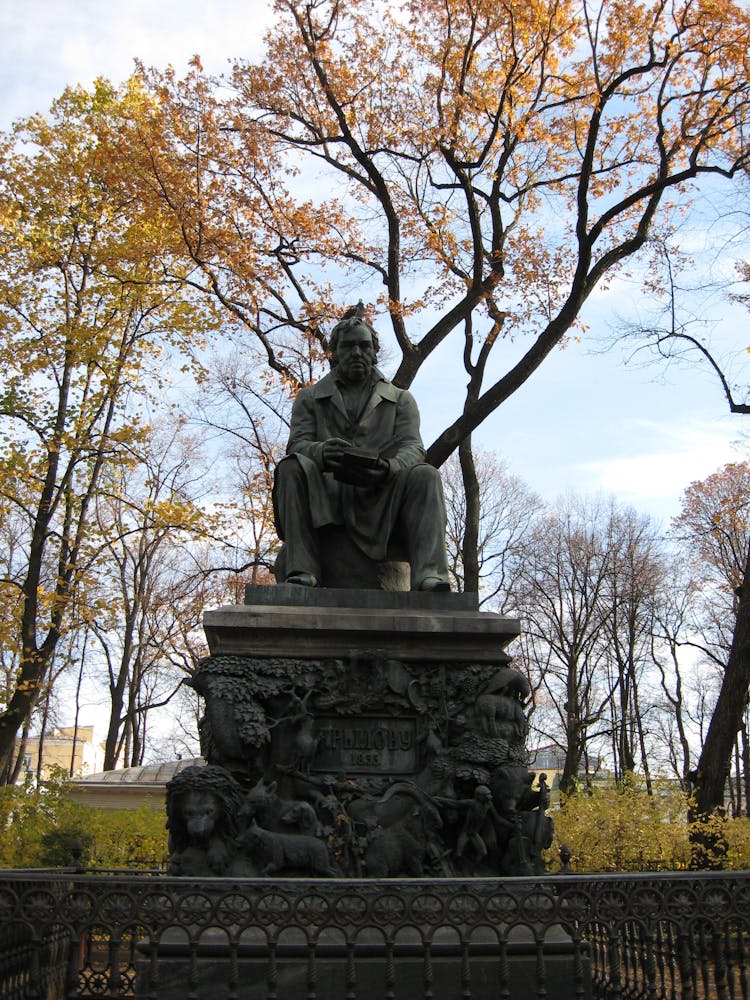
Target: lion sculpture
203, 804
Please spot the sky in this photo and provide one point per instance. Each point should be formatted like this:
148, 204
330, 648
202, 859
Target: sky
587, 421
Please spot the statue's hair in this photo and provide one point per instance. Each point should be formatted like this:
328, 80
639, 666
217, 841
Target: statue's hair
346, 324
209, 779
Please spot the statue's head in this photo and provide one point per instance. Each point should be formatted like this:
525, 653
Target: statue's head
201, 802
351, 325
201, 811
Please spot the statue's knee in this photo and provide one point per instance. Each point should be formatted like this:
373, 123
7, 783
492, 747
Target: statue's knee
289, 474
425, 479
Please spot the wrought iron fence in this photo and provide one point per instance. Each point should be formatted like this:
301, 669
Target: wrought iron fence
656, 937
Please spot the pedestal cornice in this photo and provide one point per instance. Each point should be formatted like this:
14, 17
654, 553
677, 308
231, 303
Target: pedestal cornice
420, 627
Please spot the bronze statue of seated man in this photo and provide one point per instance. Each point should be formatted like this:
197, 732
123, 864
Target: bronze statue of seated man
355, 459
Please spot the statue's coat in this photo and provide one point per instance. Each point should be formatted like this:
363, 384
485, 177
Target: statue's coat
388, 427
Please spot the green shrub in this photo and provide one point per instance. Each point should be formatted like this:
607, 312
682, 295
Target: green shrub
738, 838
40, 824
128, 838
624, 829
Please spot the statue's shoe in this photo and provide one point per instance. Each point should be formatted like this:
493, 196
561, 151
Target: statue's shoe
435, 585
302, 579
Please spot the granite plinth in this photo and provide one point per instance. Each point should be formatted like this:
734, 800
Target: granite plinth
410, 626
453, 974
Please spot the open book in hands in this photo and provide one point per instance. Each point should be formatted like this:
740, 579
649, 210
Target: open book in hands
357, 468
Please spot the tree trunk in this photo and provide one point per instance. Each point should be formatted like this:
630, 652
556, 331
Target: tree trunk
642, 742
626, 735
738, 791
573, 756
139, 740
33, 669
710, 776
135, 750
20, 753
619, 770
42, 734
72, 767
117, 689
715, 759
470, 540
112, 741
731, 791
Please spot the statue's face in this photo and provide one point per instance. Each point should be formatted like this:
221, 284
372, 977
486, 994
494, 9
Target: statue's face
355, 354
200, 810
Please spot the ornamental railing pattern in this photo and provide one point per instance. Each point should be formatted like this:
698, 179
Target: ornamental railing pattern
656, 937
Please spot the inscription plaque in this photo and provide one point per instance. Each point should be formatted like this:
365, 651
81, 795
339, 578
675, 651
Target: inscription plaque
367, 744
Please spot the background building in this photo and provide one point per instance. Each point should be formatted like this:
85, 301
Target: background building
71, 748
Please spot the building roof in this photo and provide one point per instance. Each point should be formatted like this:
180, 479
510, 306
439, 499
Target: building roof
143, 776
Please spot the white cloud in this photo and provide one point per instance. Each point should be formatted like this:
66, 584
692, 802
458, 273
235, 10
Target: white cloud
671, 457
49, 45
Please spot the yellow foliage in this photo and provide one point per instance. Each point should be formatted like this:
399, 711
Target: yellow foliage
738, 839
619, 829
624, 829
90, 317
40, 824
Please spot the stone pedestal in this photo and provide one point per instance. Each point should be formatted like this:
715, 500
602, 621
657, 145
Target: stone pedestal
363, 732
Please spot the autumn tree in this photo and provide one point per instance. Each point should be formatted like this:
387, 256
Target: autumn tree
672, 648
587, 599
88, 320
507, 512
474, 171
147, 514
565, 615
715, 523
634, 592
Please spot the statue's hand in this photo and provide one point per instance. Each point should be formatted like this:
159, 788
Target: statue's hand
333, 450
365, 478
